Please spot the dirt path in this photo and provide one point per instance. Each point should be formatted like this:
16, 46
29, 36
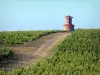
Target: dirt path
29, 52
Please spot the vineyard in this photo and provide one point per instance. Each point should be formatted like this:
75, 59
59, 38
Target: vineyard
78, 54
19, 37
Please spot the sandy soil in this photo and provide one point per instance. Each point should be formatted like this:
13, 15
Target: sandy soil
27, 53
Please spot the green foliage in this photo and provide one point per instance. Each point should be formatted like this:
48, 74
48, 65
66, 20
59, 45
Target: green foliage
5, 52
2, 72
78, 54
19, 37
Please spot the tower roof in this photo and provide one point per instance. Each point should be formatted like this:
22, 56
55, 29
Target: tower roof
68, 16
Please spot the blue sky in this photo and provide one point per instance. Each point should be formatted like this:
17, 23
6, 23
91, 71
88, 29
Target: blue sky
48, 14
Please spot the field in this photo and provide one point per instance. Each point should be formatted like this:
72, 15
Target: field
78, 54
19, 37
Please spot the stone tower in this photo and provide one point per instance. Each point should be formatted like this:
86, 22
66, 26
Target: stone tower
68, 26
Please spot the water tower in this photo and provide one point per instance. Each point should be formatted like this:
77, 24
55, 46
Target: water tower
68, 26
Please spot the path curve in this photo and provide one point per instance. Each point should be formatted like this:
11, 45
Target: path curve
29, 52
